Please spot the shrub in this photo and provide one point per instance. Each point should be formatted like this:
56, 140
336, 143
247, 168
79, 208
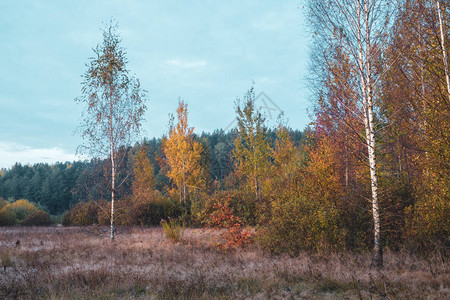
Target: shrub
21, 209
150, 212
66, 219
57, 219
242, 204
173, 229
15, 212
6, 217
235, 234
38, 218
427, 226
302, 225
3, 203
127, 211
84, 213
201, 208
121, 212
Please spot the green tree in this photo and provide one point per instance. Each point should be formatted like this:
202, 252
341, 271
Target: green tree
143, 181
252, 150
114, 106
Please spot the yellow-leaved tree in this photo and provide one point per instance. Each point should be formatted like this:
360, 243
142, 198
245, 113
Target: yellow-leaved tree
182, 156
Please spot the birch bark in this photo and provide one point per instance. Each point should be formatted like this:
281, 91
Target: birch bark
444, 50
360, 29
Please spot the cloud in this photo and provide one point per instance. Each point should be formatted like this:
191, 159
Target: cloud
10, 153
186, 64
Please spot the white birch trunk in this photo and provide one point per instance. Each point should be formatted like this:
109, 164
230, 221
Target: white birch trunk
113, 190
113, 165
360, 28
364, 64
377, 259
444, 50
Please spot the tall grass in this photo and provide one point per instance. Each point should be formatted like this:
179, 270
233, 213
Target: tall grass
173, 229
79, 263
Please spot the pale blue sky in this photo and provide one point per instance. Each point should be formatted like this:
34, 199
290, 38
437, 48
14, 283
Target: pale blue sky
206, 52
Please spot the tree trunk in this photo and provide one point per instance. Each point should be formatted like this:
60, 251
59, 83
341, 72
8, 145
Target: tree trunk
255, 170
444, 50
346, 160
184, 189
377, 259
113, 190
422, 89
113, 165
367, 82
184, 183
361, 28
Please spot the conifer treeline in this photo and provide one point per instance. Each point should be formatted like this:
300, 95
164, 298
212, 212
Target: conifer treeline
58, 187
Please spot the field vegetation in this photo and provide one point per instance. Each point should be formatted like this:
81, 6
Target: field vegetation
82, 263
257, 211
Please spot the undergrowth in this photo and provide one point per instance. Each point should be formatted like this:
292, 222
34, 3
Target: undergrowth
77, 263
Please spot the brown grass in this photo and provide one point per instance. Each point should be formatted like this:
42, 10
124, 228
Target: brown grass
57, 262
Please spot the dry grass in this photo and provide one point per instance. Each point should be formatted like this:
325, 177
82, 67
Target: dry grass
56, 262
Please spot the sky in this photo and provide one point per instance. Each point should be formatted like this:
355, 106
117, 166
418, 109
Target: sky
208, 53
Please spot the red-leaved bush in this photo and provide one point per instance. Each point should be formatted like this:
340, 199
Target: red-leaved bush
235, 235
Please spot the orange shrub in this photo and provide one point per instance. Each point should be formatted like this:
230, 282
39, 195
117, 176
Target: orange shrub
241, 203
235, 235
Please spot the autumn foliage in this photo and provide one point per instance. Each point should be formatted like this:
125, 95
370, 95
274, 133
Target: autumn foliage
235, 234
291, 191
182, 156
22, 212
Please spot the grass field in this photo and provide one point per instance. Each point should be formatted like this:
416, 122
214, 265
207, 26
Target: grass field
82, 263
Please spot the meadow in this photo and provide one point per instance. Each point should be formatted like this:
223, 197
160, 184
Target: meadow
82, 263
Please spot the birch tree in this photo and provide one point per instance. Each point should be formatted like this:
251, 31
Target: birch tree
114, 105
252, 151
183, 155
443, 47
360, 29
